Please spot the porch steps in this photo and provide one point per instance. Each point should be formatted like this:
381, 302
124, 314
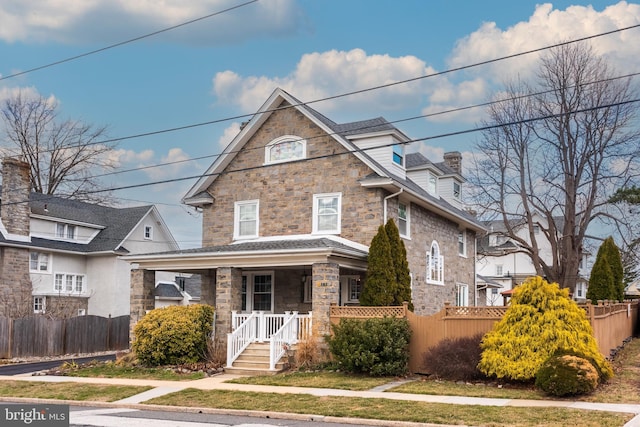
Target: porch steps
254, 360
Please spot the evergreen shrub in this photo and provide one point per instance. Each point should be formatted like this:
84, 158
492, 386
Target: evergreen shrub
541, 320
455, 359
378, 347
567, 375
173, 335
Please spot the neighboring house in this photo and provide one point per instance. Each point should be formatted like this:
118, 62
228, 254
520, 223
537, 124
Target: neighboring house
502, 264
184, 290
291, 205
62, 257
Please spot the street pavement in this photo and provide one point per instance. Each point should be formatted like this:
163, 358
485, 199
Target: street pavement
218, 382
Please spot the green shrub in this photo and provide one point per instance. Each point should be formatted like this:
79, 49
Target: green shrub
567, 375
376, 347
173, 335
455, 359
541, 320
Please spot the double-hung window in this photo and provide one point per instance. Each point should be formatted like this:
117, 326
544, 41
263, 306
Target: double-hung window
462, 243
326, 213
38, 262
246, 219
69, 283
435, 265
65, 231
462, 295
398, 154
39, 304
148, 232
457, 190
403, 219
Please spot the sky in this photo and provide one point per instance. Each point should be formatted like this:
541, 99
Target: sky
207, 74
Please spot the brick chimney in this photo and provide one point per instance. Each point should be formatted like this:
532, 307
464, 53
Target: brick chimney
16, 187
453, 159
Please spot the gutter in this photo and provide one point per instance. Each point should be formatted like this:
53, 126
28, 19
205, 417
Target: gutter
385, 204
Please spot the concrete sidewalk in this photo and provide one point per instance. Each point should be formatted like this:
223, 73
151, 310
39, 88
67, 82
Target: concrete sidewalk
218, 382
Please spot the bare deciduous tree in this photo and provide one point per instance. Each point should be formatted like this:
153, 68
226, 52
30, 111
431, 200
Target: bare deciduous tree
559, 147
64, 155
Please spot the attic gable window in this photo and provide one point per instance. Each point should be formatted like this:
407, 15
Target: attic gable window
285, 149
65, 231
398, 154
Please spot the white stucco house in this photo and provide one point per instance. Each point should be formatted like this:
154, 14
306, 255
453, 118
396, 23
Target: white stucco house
501, 264
71, 250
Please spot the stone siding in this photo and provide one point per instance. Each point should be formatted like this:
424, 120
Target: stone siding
142, 286
425, 227
16, 187
286, 190
15, 286
326, 291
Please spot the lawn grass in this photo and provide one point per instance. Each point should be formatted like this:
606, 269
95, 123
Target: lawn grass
385, 409
114, 370
68, 391
317, 379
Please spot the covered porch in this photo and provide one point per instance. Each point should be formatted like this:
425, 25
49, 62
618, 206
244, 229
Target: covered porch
275, 291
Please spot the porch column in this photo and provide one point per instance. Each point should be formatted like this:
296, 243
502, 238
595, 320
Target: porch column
208, 288
141, 296
326, 291
228, 298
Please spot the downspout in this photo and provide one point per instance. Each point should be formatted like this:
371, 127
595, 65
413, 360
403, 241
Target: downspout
385, 204
475, 268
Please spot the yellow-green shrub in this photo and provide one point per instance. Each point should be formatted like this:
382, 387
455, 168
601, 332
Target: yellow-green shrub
540, 321
173, 335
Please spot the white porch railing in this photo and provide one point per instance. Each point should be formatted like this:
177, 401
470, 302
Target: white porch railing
281, 330
240, 338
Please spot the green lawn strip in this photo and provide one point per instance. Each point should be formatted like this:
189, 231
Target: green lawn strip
385, 409
449, 388
69, 391
111, 370
336, 380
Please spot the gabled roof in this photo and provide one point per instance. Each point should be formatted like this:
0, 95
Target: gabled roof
419, 161
113, 225
343, 134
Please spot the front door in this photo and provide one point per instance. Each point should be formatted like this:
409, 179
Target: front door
257, 291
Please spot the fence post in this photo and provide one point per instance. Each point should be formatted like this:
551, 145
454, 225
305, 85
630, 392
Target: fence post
405, 306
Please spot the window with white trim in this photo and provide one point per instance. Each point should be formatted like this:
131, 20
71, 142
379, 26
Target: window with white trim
462, 242
462, 295
69, 283
246, 219
257, 291
398, 154
327, 213
499, 270
432, 184
285, 149
581, 290
82, 312
65, 231
38, 262
435, 265
148, 232
457, 190
39, 305
403, 219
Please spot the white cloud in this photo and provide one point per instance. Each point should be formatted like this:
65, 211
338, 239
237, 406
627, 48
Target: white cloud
546, 27
320, 75
104, 21
228, 135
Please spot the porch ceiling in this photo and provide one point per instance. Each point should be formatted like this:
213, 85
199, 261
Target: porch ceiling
256, 254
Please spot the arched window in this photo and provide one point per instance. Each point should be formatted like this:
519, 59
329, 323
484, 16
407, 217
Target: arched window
435, 265
285, 149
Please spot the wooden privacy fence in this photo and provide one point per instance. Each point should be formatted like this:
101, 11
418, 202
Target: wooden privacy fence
42, 336
612, 324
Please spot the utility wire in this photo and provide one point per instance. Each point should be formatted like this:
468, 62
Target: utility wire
346, 94
122, 43
357, 150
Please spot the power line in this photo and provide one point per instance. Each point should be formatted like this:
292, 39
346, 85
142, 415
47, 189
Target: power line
346, 94
122, 43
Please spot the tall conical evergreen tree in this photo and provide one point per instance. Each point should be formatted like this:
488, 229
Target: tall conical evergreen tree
380, 273
601, 281
402, 288
615, 263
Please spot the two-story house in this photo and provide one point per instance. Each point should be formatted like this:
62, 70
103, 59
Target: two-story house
502, 261
62, 257
291, 205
